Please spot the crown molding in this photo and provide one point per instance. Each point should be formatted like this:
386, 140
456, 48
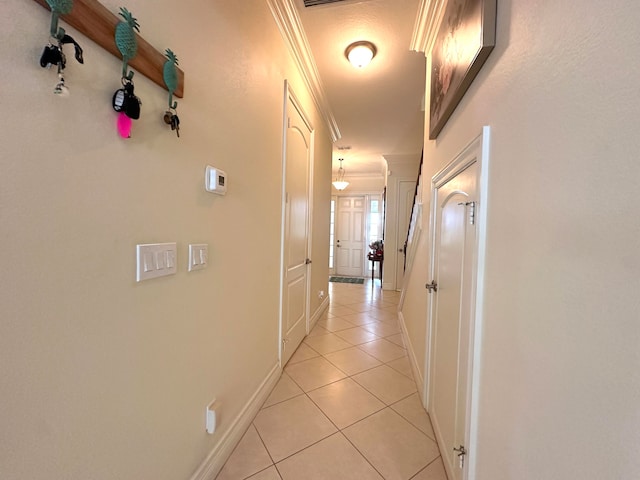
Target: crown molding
290, 25
427, 21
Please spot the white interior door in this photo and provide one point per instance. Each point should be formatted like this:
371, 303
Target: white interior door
454, 275
350, 236
296, 264
406, 194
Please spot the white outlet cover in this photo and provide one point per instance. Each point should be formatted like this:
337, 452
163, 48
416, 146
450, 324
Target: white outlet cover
211, 419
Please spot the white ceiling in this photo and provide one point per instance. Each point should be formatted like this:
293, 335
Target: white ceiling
378, 109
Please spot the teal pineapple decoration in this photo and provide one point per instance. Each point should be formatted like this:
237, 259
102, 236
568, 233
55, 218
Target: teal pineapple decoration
58, 7
126, 39
170, 75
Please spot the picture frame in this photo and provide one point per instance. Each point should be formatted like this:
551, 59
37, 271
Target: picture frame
465, 38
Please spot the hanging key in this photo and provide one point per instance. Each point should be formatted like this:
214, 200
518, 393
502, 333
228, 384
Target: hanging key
175, 124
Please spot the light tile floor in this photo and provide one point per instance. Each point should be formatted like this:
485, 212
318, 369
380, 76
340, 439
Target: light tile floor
346, 406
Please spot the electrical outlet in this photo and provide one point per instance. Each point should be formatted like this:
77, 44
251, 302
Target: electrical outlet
321, 294
211, 418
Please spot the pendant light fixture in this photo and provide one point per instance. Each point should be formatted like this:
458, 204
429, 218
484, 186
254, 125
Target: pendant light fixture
360, 54
340, 183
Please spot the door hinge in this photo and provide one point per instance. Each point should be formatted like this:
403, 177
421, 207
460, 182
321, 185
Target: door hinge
432, 287
472, 211
462, 453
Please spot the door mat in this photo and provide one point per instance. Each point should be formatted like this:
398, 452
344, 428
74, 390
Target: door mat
359, 281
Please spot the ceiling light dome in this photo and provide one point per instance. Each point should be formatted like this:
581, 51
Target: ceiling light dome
360, 54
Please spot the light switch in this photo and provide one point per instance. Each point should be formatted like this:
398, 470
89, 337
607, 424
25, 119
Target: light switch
155, 260
198, 256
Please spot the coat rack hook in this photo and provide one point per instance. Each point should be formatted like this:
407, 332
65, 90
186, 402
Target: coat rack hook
58, 7
170, 75
126, 40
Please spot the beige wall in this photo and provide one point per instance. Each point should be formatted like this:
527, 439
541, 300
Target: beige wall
559, 358
101, 377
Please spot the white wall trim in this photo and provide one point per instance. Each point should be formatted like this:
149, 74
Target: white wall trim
318, 313
427, 22
290, 25
417, 375
223, 449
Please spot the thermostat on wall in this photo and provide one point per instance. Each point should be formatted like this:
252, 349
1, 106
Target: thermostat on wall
215, 180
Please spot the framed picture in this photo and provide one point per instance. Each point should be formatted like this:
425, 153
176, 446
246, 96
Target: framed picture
464, 40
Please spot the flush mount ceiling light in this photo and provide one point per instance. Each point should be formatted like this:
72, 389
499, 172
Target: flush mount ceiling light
360, 54
340, 182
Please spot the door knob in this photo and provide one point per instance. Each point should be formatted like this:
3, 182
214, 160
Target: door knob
308, 261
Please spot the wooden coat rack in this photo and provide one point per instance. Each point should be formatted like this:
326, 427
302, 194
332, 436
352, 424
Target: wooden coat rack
95, 21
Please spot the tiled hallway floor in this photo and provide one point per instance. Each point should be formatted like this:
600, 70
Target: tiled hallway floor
346, 406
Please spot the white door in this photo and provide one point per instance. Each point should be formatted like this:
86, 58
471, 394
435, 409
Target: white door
406, 194
459, 200
453, 297
350, 247
296, 265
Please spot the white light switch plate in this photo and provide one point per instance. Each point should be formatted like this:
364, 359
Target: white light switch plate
156, 260
198, 256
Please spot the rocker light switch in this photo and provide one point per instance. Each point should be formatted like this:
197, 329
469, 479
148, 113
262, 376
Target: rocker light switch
155, 260
198, 256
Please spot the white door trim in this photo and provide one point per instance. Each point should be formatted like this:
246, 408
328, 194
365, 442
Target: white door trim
476, 152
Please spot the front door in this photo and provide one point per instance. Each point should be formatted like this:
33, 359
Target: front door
453, 328
350, 248
294, 304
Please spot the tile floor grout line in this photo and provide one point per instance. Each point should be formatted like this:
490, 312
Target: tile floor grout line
282, 401
362, 454
427, 466
308, 446
264, 445
410, 422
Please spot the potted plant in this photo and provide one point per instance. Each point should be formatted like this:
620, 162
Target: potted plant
377, 248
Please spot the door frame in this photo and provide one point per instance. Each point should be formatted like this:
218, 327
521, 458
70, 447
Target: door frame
289, 96
475, 152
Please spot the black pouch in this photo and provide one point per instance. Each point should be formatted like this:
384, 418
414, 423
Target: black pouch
51, 55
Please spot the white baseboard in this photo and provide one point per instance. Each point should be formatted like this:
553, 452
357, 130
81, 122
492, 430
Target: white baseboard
318, 313
417, 374
222, 451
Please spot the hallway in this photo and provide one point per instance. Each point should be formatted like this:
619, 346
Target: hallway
346, 406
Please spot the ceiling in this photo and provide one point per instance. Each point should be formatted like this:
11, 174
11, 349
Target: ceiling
378, 109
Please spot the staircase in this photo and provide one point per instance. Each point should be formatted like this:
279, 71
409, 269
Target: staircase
416, 212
